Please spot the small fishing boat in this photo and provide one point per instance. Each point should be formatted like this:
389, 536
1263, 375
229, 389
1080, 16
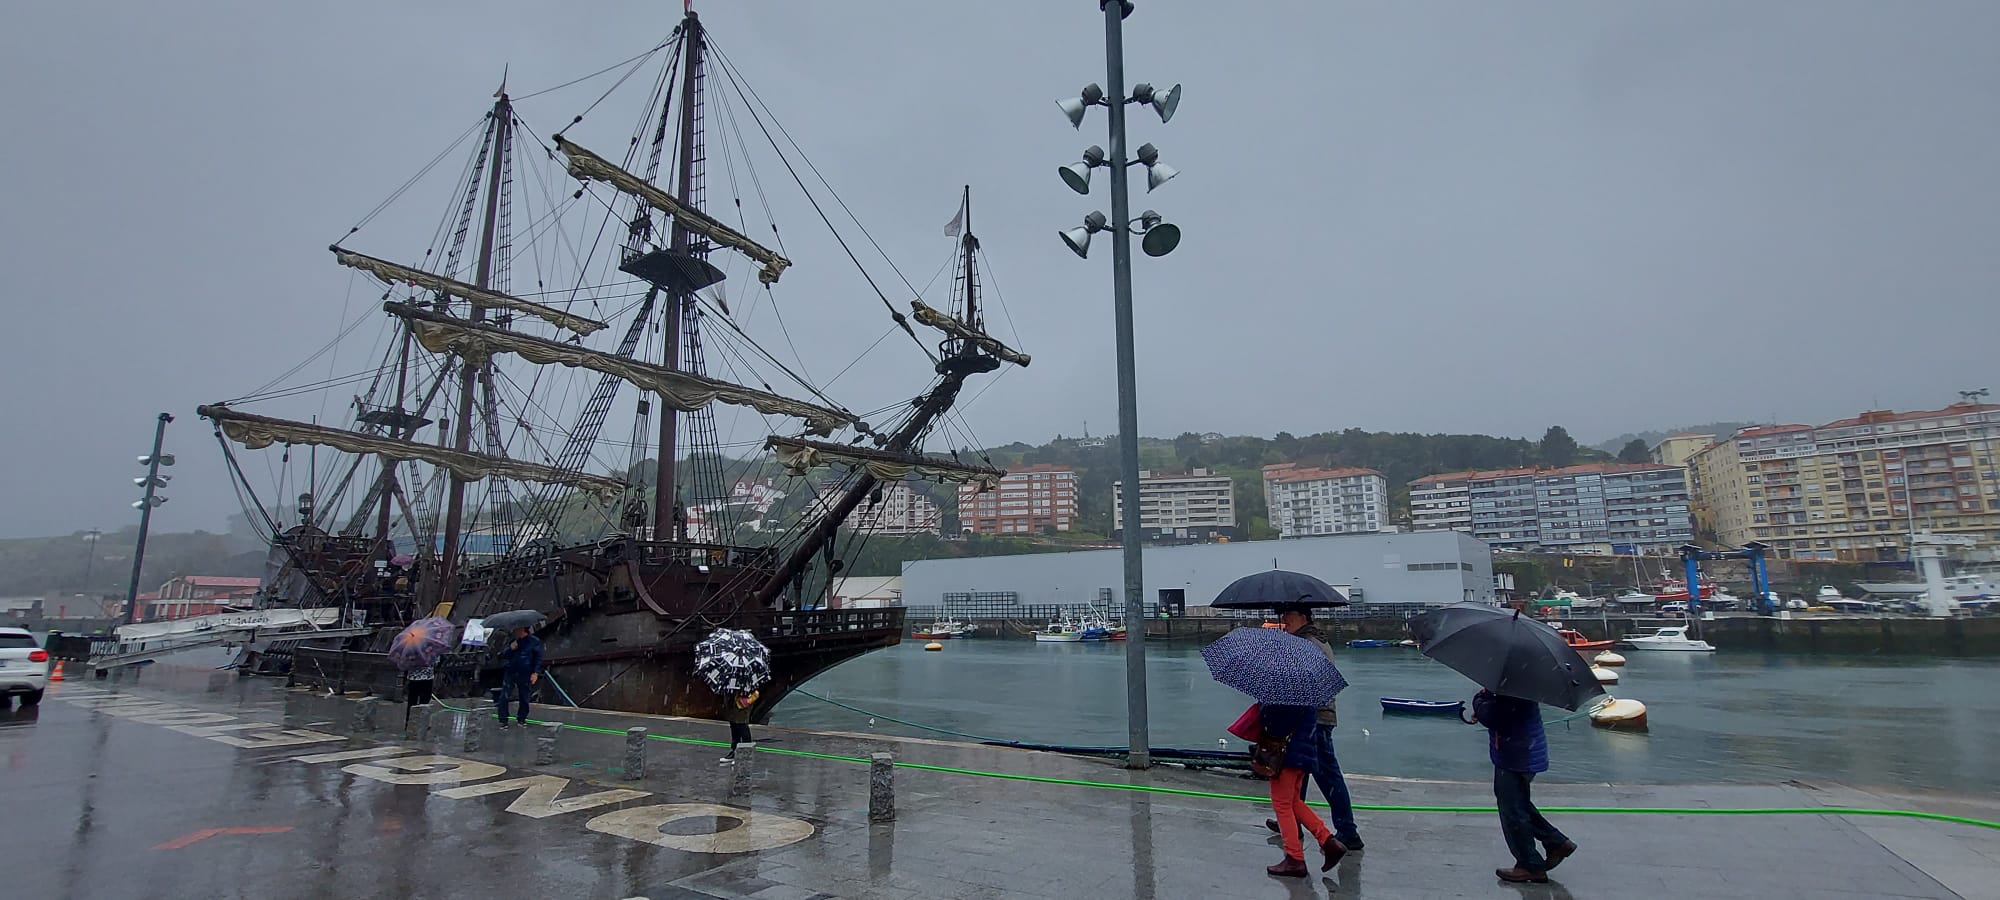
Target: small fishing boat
1620, 713
1582, 644
1371, 642
1608, 658
942, 630
1675, 638
1410, 644
1423, 707
1604, 675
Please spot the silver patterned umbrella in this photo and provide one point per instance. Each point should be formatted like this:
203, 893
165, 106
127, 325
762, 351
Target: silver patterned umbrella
732, 662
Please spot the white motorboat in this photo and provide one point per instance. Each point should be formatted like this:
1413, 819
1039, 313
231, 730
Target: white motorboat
1668, 639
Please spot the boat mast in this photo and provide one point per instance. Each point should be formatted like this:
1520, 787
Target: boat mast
468, 375
971, 245
666, 506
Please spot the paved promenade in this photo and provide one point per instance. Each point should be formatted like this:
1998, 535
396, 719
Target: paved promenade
185, 783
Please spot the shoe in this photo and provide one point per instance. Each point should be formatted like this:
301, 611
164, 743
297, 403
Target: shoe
1556, 853
1290, 868
727, 761
1271, 824
1518, 875
1334, 850
1352, 842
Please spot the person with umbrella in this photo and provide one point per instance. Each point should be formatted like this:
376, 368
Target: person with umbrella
734, 664
1291, 680
1294, 595
520, 670
1519, 664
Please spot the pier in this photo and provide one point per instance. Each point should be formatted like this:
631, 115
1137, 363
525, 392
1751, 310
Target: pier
185, 782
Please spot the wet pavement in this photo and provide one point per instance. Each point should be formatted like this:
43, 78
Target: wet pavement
187, 783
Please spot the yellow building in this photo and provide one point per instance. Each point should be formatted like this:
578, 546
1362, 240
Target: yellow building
1677, 450
1856, 488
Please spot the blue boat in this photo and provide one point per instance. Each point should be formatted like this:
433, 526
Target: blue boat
1371, 643
1423, 707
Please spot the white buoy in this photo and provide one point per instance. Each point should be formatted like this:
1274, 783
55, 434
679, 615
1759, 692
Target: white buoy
1604, 675
1608, 658
934, 645
1619, 713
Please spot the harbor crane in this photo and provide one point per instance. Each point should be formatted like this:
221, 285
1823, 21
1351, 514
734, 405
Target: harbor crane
1753, 553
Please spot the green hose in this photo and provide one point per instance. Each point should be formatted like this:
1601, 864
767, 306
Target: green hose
1365, 807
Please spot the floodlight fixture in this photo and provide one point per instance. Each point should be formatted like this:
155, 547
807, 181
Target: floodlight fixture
1075, 107
1161, 236
1077, 174
1078, 238
1162, 102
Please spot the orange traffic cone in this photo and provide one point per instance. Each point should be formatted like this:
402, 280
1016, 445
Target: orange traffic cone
57, 674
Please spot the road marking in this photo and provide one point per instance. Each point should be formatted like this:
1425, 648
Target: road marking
345, 755
195, 837
455, 770
539, 793
753, 831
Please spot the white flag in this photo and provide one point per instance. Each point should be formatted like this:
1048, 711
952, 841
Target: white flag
957, 223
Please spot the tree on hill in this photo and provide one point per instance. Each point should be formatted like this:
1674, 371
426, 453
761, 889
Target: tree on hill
1635, 451
1557, 447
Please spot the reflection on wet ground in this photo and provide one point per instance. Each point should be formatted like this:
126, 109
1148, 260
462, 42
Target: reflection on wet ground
187, 783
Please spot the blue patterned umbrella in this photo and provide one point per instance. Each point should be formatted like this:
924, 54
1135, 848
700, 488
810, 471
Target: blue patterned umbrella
1274, 666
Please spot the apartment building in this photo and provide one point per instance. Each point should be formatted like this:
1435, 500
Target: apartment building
1442, 503
1677, 449
901, 510
1596, 507
1036, 499
1197, 505
1304, 501
1855, 489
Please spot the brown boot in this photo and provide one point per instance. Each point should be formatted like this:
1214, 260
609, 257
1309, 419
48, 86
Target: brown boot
1290, 868
1556, 853
1334, 850
1518, 875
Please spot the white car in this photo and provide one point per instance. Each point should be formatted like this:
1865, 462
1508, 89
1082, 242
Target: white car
24, 667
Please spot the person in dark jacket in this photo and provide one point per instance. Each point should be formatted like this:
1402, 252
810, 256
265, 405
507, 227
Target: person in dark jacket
521, 667
737, 714
1332, 783
1519, 751
1299, 724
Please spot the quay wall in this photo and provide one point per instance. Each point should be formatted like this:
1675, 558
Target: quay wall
1974, 636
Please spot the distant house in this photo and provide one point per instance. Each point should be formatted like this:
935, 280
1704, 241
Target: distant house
196, 595
865, 591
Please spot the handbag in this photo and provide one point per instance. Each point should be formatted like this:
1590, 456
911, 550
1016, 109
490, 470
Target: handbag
1267, 758
1250, 725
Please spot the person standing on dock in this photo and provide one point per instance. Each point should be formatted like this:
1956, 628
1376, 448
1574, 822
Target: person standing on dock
1519, 751
738, 716
1326, 769
521, 669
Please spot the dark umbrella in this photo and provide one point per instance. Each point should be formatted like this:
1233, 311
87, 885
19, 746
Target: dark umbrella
1268, 590
732, 662
420, 645
1506, 653
1274, 666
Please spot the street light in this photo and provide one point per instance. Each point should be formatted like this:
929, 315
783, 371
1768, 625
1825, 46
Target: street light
152, 482
1160, 239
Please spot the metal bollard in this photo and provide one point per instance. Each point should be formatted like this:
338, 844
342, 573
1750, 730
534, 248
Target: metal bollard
474, 724
364, 716
882, 787
545, 746
635, 753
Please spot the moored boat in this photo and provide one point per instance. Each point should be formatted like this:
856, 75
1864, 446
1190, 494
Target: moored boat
1422, 707
1581, 644
1362, 644
1673, 639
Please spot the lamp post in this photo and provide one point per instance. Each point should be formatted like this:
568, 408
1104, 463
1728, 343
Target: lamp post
152, 482
1159, 239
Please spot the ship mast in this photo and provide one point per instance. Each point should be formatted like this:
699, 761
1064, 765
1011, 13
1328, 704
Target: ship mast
666, 506
469, 374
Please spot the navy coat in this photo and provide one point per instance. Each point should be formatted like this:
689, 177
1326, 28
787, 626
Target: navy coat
524, 656
1514, 728
1301, 723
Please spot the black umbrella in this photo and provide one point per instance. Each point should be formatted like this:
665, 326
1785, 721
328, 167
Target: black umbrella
1506, 654
1268, 590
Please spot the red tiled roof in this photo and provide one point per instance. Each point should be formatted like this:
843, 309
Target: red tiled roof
1761, 430
1286, 473
1878, 416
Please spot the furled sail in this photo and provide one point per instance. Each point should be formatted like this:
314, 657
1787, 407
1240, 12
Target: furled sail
477, 296
588, 166
684, 391
798, 455
929, 316
257, 432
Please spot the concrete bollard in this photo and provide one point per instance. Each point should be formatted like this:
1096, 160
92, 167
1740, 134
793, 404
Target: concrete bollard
745, 767
364, 716
635, 753
545, 746
882, 787
474, 724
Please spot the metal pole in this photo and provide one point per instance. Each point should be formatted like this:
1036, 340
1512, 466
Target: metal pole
1140, 755
145, 516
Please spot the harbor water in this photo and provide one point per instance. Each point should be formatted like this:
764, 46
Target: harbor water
1903, 723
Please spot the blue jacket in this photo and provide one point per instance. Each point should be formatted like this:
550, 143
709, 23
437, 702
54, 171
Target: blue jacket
526, 658
1301, 723
1514, 727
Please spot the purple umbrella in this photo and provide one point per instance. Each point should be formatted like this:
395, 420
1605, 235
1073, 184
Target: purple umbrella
420, 645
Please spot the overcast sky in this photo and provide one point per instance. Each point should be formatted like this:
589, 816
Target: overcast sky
1477, 217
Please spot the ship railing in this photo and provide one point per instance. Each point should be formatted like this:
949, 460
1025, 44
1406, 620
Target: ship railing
817, 622
690, 553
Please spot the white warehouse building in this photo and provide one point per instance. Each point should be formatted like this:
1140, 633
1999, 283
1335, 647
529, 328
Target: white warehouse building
1433, 567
